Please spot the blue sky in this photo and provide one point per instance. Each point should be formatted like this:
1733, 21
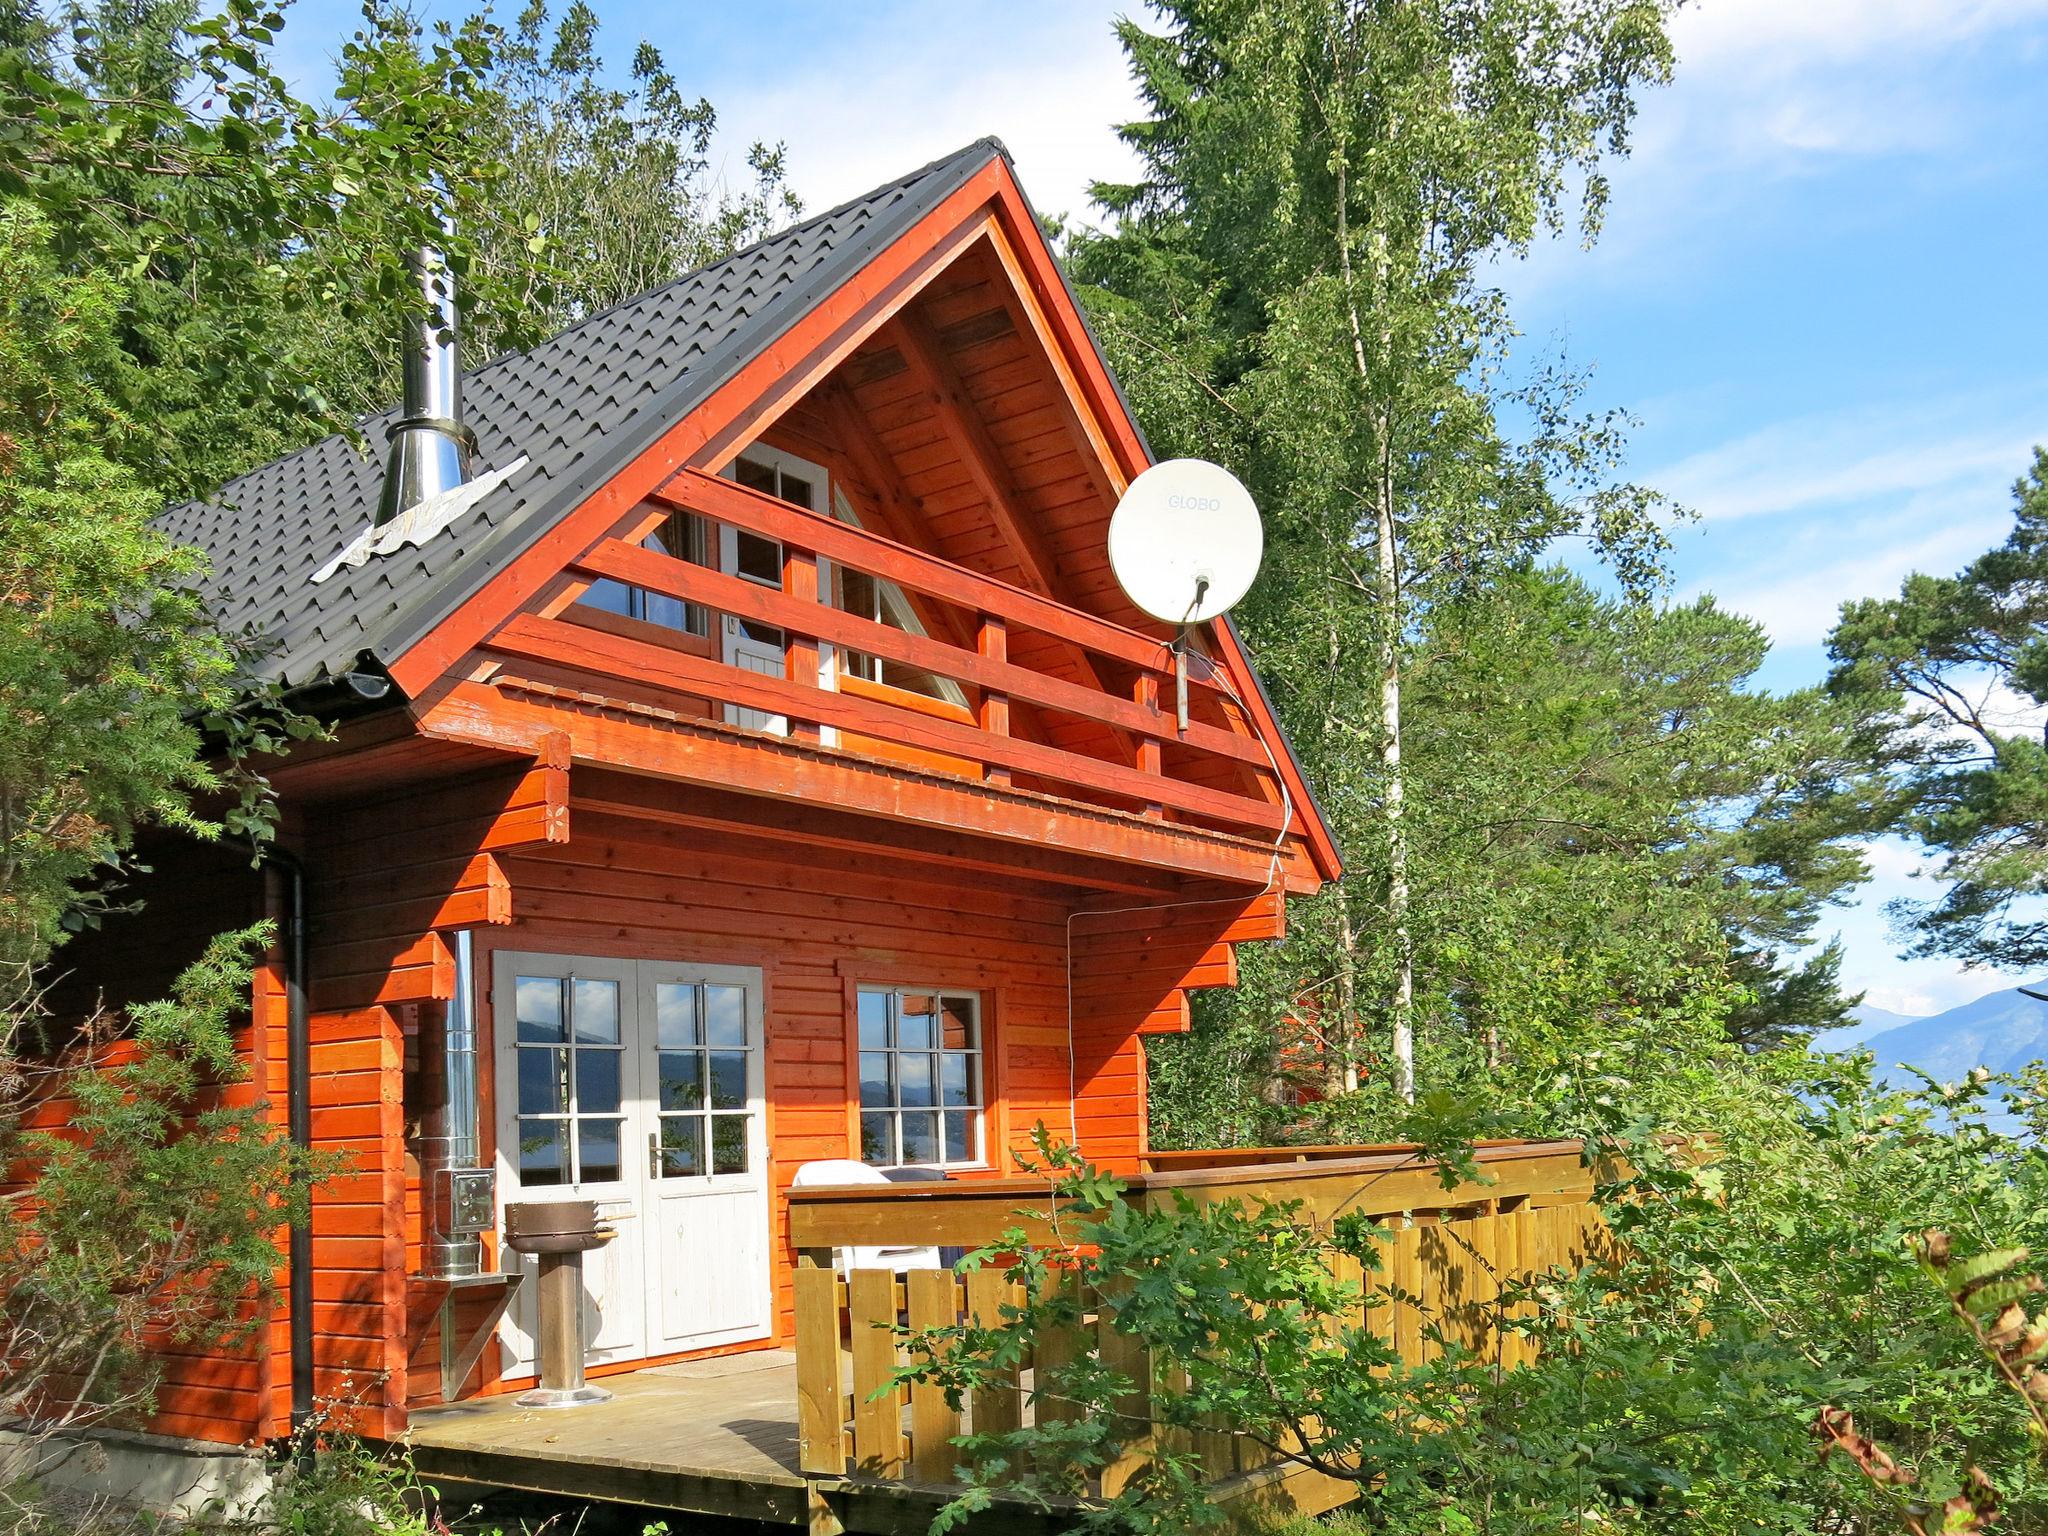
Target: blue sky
1819, 287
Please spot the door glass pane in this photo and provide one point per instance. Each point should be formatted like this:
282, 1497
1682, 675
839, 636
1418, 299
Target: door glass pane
729, 1143
542, 1073
874, 1021
921, 1138
914, 1081
675, 1012
597, 1081
914, 1022
956, 1023
539, 1007
682, 1146
597, 1150
543, 1157
595, 1011
874, 1139
681, 1076
757, 559
728, 1079
956, 1079
959, 1137
874, 1080
725, 1015
755, 477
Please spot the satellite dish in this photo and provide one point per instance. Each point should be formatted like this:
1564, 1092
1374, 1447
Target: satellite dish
1185, 541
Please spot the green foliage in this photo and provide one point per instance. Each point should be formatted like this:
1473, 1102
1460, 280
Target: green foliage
263, 236
109, 662
599, 193
1613, 835
1679, 1383
150, 1219
1937, 655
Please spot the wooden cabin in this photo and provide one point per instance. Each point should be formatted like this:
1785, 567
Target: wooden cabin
753, 764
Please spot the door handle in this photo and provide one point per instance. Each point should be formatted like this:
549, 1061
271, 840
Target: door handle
654, 1154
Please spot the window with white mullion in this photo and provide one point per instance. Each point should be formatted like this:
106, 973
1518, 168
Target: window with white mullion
920, 1068
571, 1062
702, 1092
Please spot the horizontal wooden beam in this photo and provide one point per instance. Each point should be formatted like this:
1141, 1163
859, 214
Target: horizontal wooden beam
663, 744
657, 572
563, 643
971, 1212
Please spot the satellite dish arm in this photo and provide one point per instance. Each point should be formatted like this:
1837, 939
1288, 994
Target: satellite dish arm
1180, 657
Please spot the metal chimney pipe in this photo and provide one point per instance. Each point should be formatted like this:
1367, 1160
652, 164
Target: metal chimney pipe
460, 1196
430, 445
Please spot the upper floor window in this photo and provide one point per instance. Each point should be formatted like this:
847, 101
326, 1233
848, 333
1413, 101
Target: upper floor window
920, 1077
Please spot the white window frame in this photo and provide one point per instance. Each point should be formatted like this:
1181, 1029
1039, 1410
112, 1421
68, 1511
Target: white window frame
976, 1108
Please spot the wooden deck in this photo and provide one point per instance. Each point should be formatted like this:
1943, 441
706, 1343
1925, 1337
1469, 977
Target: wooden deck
715, 1437
719, 1437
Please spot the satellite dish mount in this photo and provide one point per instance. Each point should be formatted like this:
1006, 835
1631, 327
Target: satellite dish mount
1185, 543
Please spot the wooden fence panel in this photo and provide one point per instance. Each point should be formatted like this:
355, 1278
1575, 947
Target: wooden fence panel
880, 1448
933, 1302
820, 1399
994, 1410
1441, 1280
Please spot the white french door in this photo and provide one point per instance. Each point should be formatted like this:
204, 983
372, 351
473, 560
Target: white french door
639, 1084
707, 1158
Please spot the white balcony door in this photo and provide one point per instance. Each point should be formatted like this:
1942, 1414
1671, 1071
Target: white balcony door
707, 1157
640, 1085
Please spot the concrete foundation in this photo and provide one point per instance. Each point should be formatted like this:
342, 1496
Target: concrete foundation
182, 1478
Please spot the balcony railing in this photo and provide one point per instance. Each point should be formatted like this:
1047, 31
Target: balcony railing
1446, 1252
1210, 775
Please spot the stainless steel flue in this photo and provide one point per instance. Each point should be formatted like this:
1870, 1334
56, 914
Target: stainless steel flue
461, 1196
431, 447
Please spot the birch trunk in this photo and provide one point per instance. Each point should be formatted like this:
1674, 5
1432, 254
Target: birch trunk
1387, 571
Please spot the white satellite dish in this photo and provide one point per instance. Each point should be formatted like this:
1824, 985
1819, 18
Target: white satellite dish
1185, 543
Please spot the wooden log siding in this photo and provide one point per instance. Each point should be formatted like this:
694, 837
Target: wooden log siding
1448, 1252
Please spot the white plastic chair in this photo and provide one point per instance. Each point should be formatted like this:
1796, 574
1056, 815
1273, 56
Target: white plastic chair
839, 1170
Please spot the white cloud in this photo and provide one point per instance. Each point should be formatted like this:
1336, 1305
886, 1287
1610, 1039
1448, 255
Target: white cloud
1800, 607
1836, 457
921, 79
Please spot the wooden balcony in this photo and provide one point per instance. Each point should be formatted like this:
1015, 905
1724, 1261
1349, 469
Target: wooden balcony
1081, 726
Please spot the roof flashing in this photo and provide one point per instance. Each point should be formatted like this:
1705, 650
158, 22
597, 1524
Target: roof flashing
418, 523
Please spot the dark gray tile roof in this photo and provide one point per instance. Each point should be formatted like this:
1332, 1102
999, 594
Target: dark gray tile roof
579, 407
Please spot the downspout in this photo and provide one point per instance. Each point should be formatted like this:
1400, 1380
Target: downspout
298, 1053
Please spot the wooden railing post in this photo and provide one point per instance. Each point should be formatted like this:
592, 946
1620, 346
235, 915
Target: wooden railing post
820, 1401
992, 640
1145, 692
800, 652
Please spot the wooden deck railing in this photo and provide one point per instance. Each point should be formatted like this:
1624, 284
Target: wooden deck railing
1447, 1250
992, 617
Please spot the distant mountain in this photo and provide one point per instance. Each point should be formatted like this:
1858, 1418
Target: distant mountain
2001, 1030
1870, 1022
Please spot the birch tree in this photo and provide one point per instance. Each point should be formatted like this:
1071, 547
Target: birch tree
1304, 282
